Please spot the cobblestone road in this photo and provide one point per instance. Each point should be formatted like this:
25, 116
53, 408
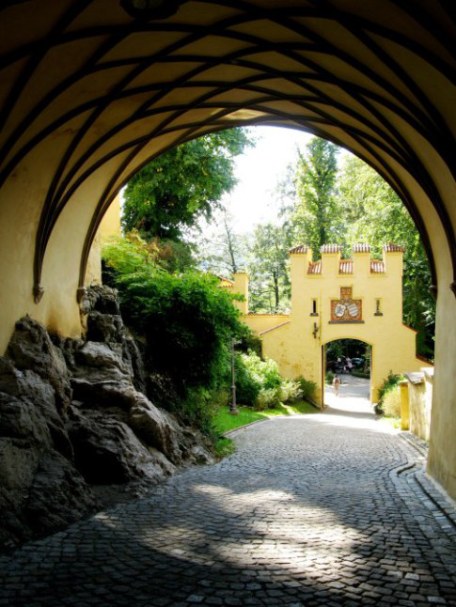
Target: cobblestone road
329, 509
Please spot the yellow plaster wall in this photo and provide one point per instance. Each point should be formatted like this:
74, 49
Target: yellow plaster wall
420, 397
238, 286
58, 308
109, 226
297, 345
442, 443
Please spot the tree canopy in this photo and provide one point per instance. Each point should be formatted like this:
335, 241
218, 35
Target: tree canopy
326, 202
268, 268
314, 218
374, 213
178, 187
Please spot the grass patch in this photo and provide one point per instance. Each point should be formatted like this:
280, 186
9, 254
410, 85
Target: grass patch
302, 407
224, 421
224, 447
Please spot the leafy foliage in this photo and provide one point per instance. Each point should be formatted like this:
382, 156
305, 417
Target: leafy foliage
391, 403
183, 184
307, 388
375, 214
388, 384
260, 385
187, 321
314, 217
268, 269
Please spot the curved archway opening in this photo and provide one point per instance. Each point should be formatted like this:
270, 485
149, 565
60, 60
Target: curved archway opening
347, 371
88, 95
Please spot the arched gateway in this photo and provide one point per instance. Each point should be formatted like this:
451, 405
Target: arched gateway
331, 299
92, 89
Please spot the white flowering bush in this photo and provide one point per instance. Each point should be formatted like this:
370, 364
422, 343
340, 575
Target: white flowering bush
260, 385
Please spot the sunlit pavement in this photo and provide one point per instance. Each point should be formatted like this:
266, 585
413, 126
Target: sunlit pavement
327, 509
353, 396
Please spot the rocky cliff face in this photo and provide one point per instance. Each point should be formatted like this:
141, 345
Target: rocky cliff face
76, 430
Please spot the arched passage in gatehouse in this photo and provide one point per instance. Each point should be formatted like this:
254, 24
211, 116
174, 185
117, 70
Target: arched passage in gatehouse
92, 90
351, 361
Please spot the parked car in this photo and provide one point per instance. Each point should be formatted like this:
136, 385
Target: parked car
358, 362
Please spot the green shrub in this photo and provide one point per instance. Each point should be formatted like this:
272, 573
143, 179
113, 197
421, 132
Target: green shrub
308, 388
258, 381
329, 377
388, 384
290, 391
187, 321
260, 385
248, 385
268, 398
391, 403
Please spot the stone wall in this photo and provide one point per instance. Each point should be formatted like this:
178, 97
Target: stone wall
420, 387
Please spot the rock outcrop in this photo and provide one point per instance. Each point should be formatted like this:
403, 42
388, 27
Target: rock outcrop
76, 425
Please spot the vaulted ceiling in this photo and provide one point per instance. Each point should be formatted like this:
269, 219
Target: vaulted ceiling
98, 87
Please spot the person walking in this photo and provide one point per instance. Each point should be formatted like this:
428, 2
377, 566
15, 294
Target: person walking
336, 385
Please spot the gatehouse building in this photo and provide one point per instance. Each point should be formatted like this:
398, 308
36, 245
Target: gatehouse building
332, 299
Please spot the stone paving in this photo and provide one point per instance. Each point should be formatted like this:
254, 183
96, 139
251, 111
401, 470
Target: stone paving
329, 509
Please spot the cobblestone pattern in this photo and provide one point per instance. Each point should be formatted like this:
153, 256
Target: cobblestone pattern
316, 510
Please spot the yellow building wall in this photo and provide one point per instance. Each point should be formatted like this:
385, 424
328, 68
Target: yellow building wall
296, 341
109, 226
238, 286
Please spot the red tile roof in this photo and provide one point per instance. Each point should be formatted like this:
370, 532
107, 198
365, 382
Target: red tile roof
361, 248
377, 266
393, 248
346, 266
330, 248
302, 248
314, 267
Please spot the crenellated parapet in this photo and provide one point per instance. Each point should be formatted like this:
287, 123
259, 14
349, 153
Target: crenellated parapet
348, 289
335, 298
361, 261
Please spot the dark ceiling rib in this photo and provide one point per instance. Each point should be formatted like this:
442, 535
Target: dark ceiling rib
371, 127
443, 131
35, 58
360, 24
47, 100
181, 43
449, 8
199, 102
89, 67
325, 11
124, 31
48, 218
393, 144
96, 103
426, 20
249, 12
62, 87
139, 113
369, 74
